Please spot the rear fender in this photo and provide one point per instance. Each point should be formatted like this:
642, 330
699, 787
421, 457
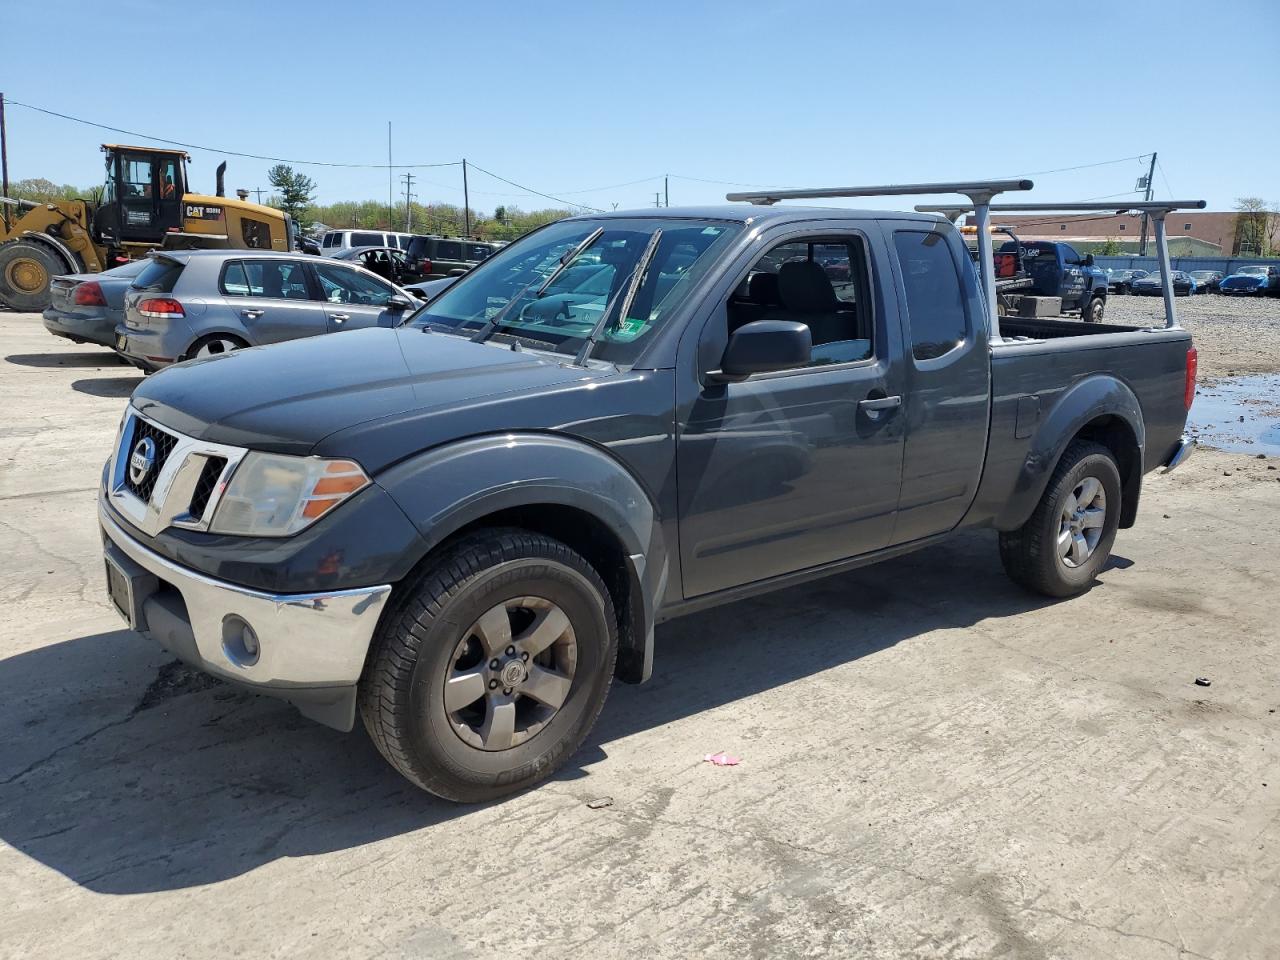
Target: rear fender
1096, 401
459, 485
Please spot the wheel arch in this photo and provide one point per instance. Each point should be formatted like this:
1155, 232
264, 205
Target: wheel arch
557, 486
1102, 409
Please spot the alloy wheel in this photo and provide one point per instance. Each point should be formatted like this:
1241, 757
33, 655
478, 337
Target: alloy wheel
1081, 522
511, 673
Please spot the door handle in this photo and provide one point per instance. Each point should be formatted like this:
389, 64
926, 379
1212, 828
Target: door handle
339, 317
252, 314
880, 403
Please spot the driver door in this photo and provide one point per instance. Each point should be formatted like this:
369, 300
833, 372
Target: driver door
354, 299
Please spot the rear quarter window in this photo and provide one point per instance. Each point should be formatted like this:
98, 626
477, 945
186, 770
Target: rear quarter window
160, 275
935, 298
449, 250
367, 240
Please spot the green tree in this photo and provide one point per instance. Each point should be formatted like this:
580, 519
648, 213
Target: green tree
297, 191
1253, 226
1110, 247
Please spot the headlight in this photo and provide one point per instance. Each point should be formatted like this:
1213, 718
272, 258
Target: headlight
272, 495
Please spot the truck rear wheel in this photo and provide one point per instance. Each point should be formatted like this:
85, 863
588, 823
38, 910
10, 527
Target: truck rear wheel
492, 667
1067, 541
26, 270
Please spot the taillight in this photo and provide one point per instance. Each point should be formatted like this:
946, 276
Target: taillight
89, 294
1189, 391
425, 266
161, 308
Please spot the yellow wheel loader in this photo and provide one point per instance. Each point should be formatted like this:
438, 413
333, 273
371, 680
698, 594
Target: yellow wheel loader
145, 206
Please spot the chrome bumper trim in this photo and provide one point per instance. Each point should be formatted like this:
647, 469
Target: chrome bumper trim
1181, 453
313, 639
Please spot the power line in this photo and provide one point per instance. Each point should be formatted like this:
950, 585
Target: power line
1160, 167
230, 153
1081, 166
520, 186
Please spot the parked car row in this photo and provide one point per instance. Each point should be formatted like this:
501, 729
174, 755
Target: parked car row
1254, 279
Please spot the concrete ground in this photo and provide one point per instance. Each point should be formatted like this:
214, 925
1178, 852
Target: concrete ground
934, 763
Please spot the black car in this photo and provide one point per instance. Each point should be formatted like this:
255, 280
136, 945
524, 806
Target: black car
307, 245
1121, 281
1151, 286
390, 263
1207, 281
435, 257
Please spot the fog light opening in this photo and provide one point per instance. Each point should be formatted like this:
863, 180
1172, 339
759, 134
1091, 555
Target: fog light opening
239, 641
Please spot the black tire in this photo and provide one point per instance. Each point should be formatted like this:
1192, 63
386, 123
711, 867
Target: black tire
1093, 309
26, 270
416, 649
237, 343
1030, 554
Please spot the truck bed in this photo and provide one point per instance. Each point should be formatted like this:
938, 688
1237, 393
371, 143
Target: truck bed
1040, 362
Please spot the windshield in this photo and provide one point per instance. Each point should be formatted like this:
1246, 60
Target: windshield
1253, 271
561, 317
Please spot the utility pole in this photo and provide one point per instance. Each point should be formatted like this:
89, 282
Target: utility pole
666, 190
657, 199
466, 202
259, 191
4, 164
390, 181
1151, 175
408, 201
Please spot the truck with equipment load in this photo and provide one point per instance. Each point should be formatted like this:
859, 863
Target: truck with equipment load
145, 206
462, 529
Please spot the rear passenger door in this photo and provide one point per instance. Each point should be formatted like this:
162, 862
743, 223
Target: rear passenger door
272, 299
948, 368
354, 299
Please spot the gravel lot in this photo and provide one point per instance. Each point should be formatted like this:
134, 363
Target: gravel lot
936, 764
1234, 335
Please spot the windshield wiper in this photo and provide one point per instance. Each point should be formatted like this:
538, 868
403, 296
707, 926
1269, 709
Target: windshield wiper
630, 287
483, 333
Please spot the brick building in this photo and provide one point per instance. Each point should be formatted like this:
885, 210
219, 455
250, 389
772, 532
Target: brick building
1190, 232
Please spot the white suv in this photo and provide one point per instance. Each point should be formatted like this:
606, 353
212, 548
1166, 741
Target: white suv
335, 241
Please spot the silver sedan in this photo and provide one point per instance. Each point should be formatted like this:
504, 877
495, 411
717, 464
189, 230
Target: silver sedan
197, 303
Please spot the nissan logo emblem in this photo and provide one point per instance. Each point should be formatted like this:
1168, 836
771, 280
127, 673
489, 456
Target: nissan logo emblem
142, 459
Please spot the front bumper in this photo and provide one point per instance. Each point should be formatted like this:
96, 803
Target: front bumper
310, 648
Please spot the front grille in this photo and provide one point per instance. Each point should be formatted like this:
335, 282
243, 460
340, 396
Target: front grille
209, 475
164, 446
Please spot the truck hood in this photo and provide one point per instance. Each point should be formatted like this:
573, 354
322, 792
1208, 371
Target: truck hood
287, 397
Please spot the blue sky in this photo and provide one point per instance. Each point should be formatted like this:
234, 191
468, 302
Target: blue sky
569, 98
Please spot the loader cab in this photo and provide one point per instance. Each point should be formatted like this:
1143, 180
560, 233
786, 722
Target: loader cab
142, 200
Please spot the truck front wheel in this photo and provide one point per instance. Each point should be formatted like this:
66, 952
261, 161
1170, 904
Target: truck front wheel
492, 667
1067, 541
26, 270
1093, 310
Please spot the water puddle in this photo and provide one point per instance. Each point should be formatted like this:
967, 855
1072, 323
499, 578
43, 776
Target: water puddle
1241, 415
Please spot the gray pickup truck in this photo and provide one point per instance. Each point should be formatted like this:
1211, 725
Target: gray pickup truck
465, 527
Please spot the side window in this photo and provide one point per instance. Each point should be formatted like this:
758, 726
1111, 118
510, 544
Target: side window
366, 240
820, 282
330, 240
275, 279
169, 180
1069, 254
935, 301
449, 250
478, 252
341, 285
256, 233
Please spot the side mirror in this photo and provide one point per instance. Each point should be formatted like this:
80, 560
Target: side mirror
764, 346
398, 302
1088, 260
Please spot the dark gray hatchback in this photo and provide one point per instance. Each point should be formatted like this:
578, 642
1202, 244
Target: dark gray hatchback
463, 528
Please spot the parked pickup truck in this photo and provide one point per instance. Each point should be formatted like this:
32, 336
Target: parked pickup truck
465, 527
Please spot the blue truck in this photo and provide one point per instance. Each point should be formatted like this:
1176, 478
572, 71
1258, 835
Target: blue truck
1056, 270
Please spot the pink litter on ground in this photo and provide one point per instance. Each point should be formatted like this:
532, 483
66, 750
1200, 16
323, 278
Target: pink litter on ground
722, 759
